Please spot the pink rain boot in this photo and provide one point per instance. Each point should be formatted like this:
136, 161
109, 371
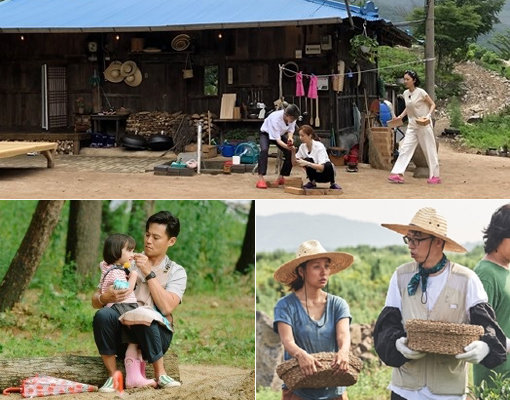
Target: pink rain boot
134, 377
142, 368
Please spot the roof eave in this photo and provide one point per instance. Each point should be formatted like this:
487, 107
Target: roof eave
190, 27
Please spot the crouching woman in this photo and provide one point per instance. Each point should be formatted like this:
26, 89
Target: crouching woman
312, 155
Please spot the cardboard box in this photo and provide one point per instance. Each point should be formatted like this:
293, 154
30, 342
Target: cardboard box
208, 150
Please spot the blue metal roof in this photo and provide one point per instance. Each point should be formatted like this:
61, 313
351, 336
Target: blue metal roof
156, 15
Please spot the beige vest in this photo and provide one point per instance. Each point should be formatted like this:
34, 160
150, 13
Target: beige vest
442, 374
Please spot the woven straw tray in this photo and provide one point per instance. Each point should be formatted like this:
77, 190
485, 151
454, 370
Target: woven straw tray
291, 373
440, 337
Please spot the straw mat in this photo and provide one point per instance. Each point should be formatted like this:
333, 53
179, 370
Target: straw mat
291, 373
440, 337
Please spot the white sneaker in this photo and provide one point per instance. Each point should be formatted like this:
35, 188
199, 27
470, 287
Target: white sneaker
165, 381
108, 386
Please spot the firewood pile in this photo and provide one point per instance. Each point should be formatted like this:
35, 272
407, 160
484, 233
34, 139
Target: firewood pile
181, 127
65, 147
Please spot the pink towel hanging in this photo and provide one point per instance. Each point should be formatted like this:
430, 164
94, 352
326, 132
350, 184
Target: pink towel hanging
312, 88
300, 90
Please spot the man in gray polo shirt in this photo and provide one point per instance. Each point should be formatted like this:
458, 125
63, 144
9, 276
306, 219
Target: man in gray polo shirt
161, 286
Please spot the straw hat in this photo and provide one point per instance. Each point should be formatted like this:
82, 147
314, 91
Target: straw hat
427, 220
112, 73
311, 250
181, 42
128, 68
134, 79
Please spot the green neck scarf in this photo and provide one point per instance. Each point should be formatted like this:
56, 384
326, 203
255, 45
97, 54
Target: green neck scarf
423, 274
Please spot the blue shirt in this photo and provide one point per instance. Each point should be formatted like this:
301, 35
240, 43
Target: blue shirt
312, 336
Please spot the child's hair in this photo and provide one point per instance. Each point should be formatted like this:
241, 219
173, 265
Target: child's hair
114, 244
173, 226
308, 130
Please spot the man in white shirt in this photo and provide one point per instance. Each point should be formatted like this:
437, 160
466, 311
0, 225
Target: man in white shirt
434, 288
278, 128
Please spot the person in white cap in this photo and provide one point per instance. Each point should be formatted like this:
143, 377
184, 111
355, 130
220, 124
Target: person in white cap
434, 288
310, 320
494, 272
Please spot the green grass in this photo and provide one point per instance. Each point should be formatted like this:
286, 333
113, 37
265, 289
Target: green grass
491, 132
209, 330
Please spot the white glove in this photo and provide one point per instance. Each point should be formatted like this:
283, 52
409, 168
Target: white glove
474, 352
401, 345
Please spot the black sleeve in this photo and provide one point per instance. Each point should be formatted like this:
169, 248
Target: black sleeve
483, 314
387, 330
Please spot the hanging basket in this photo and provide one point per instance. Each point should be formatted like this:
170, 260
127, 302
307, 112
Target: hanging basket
187, 72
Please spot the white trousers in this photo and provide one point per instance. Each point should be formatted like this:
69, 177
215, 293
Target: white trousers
423, 135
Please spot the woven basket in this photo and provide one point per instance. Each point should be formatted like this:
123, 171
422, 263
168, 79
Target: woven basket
423, 121
291, 373
440, 337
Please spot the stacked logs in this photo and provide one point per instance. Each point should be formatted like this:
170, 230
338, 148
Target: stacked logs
181, 127
155, 122
65, 147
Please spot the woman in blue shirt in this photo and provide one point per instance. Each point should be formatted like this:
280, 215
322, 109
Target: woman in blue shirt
310, 320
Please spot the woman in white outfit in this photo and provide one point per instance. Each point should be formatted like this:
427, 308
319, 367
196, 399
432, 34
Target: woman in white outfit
418, 104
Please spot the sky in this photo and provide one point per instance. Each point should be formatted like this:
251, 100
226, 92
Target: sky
466, 218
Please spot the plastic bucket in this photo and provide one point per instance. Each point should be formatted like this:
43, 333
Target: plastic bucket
227, 150
236, 160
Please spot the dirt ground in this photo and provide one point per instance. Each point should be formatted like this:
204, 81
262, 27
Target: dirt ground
464, 175
199, 382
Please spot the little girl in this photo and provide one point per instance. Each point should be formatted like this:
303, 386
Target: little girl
312, 155
118, 253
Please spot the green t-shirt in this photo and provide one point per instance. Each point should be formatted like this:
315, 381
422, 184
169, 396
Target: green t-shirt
496, 281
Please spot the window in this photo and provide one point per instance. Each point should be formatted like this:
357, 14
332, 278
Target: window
211, 80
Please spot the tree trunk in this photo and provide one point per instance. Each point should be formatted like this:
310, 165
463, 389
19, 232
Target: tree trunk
83, 235
247, 256
84, 369
29, 254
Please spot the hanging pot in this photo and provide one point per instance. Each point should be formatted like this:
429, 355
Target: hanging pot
365, 49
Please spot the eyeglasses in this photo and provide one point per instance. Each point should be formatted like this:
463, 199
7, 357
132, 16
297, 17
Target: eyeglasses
410, 72
414, 241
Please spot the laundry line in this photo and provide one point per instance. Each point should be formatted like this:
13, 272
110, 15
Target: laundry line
350, 73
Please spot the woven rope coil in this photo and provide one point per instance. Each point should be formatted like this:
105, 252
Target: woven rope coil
291, 373
440, 337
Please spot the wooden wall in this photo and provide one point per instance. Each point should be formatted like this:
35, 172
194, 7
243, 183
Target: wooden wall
253, 54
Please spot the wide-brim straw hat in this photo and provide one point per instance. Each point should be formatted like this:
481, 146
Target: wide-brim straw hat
112, 73
310, 250
427, 220
128, 68
180, 42
134, 79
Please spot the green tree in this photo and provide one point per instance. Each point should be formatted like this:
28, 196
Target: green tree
488, 11
501, 41
456, 26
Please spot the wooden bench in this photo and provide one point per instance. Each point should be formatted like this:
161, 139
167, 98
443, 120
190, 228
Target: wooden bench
11, 149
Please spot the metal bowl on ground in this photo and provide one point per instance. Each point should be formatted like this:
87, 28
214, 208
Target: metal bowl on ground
134, 142
160, 142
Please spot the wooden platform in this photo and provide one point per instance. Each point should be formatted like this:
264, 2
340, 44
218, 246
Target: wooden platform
294, 181
49, 136
12, 149
312, 192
